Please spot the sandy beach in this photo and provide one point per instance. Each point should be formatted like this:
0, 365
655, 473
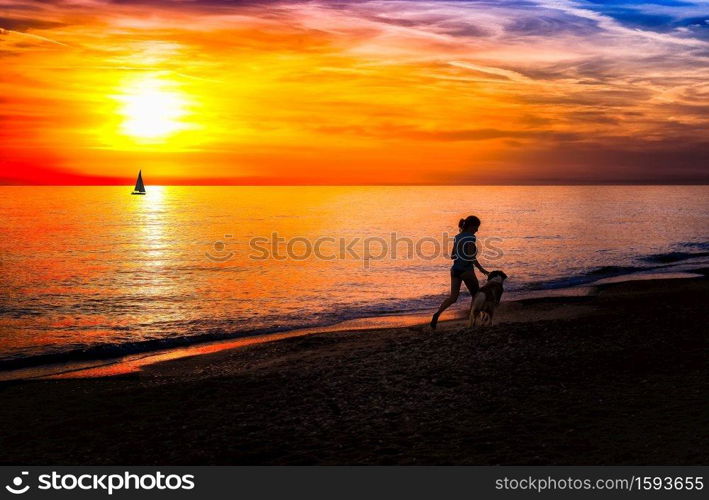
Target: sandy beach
615, 377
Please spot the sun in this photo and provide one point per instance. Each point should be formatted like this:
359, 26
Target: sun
152, 109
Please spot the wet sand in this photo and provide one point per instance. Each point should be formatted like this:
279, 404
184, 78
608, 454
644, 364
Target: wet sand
617, 377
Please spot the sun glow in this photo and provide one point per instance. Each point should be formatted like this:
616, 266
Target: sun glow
298, 92
152, 109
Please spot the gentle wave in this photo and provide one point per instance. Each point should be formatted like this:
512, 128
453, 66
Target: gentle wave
217, 332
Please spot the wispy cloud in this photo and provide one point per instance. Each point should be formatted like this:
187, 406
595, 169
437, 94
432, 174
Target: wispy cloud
473, 85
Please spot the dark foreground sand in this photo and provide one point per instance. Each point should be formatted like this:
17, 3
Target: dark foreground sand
616, 378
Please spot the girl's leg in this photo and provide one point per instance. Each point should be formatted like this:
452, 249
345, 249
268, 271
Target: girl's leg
450, 300
471, 283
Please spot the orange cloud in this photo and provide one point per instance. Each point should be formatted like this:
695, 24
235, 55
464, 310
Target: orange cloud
371, 92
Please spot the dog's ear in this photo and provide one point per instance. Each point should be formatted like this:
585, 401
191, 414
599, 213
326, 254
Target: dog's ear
504, 276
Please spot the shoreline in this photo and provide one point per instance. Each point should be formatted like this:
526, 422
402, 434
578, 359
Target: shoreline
129, 363
618, 377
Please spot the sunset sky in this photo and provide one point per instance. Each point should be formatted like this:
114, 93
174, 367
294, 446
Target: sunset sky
354, 92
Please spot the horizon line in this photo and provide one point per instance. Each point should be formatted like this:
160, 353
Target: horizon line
621, 183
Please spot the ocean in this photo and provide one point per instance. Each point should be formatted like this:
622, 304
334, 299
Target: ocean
93, 272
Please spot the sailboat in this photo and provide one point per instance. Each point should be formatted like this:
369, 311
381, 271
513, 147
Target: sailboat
139, 186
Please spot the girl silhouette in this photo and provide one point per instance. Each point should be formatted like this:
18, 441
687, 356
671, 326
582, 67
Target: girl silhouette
464, 262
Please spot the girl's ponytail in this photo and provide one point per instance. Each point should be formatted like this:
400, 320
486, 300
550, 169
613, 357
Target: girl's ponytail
468, 222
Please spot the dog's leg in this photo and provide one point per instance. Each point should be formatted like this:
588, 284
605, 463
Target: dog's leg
471, 317
475, 309
490, 315
474, 319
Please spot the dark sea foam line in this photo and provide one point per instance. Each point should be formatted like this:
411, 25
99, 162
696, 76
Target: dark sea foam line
227, 331
210, 331
108, 351
661, 262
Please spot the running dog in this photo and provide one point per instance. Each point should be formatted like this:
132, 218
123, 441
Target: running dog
487, 299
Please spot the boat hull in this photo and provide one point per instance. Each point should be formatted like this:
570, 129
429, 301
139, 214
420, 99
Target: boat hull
137, 192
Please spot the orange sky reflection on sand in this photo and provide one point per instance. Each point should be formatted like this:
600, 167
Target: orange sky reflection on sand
402, 92
132, 364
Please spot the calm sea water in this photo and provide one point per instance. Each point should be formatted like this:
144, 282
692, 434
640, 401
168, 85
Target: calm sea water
96, 271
